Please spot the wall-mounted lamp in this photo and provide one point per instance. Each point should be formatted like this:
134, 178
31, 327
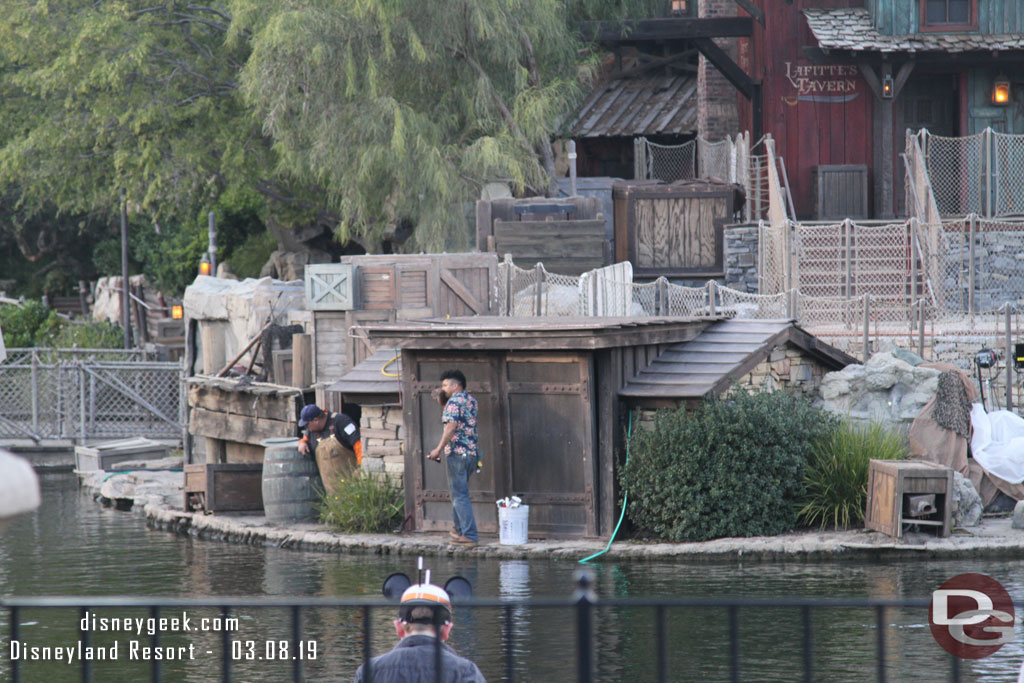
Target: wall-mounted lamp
205, 267
177, 312
1001, 91
888, 87
680, 7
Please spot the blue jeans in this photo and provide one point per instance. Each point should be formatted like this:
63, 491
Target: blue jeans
458, 484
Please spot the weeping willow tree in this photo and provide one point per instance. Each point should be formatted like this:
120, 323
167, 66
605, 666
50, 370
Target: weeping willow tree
356, 115
403, 109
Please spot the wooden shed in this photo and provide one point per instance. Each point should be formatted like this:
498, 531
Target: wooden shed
674, 229
550, 422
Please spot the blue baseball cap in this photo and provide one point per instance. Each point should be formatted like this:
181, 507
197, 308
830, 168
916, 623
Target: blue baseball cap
309, 413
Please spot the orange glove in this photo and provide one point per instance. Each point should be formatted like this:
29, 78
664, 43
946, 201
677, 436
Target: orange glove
358, 448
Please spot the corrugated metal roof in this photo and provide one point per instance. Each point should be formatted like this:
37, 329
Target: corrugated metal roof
722, 353
853, 29
645, 105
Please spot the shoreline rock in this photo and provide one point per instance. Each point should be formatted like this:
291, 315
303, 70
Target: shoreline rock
993, 537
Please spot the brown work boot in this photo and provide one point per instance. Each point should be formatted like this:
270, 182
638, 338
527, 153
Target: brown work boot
454, 534
462, 540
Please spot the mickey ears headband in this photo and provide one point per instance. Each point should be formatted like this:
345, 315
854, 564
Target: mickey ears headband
457, 587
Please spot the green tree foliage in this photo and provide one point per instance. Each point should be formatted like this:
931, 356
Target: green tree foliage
352, 115
31, 324
732, 467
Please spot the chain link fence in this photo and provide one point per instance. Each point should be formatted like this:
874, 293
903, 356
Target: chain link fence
1008, 172
78, 394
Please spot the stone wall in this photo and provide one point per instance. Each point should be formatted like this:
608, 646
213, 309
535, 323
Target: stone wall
886, 389
740, 261
999, 271
383, 434
786, 368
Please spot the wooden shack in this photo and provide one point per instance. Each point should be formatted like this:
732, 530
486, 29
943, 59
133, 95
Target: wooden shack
549, 416
674, 229
553, 397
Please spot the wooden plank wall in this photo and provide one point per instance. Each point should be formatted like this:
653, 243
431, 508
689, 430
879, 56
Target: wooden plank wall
900, 17
823, 120
402, 287
570, 245
678, 232
566, 247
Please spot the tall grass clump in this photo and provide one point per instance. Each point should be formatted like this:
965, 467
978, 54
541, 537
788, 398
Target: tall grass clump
363, 502
731, 467
836, 481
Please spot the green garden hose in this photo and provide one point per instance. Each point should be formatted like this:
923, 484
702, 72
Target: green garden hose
625, 498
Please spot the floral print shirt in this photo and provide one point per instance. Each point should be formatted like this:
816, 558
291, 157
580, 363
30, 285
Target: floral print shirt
461, 409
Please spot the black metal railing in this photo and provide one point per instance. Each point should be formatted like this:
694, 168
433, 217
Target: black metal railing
583, 603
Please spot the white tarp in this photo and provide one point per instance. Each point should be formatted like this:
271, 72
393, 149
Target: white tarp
998, 443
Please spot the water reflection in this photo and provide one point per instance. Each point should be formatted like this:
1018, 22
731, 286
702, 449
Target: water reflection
73, 546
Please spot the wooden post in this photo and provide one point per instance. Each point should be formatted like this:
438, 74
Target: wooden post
508, 290
711, 297
81, 401
539, 274
867, 318
35, 392
972, 221
302, 360
914, 255
663, 304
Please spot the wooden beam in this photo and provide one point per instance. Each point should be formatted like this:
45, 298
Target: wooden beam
230, 427
654, 64
752, 9
666, 29
868, 72
901, 77
726, 66
461, 291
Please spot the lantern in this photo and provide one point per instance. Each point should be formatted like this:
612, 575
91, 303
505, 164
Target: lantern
888, 87
205, 267
1001, 91
177, 312
680, 7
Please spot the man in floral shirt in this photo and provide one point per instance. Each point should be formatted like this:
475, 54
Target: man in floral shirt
459, 444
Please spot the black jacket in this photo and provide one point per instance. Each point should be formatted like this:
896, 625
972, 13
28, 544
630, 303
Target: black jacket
412, 661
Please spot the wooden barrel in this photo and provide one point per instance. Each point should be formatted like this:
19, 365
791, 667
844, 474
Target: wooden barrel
334, 461
291, 482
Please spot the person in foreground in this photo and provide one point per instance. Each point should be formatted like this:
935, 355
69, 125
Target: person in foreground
459, 442
424, 616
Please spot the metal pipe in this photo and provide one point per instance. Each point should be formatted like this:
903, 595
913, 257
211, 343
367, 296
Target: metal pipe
572, 168
920, 329
126, 320
1009, 362
35, 393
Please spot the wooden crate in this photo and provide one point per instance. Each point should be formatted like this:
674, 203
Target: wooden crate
104, 456
224, 487
891, 481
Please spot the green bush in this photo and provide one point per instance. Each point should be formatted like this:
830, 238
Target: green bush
31, 324
732, 467
837, 473
363, 502
90, 335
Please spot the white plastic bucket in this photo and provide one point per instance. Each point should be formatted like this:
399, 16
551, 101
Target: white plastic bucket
512, 525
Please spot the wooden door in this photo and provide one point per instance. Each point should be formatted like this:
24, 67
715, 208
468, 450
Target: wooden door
551, 440
428, 496
465, 285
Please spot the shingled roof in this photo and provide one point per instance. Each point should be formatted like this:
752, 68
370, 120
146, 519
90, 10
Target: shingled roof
377, 375
721, 354
646, 105
853, 29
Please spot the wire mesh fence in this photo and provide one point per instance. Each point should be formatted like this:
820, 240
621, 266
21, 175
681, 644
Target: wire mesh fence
955, 170
44, 396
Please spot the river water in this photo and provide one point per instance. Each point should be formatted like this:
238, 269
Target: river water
73, 546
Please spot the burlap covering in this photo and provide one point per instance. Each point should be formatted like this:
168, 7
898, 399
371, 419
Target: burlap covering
334, 460
941, 433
